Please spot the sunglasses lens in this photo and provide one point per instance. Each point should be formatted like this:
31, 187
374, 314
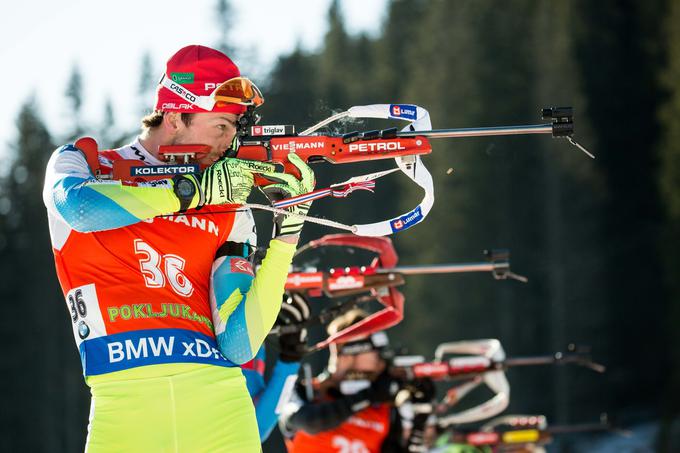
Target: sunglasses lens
247, 90
239, 91
231, 88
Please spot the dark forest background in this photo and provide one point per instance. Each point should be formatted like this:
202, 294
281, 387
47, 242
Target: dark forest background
597, 238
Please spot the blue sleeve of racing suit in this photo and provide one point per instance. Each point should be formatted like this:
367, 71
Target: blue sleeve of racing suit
245, 307
86, 204
267, 400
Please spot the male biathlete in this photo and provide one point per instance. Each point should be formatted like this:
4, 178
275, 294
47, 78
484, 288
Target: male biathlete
162, 297
349, 407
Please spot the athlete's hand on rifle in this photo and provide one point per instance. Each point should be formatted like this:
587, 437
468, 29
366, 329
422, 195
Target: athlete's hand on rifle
289, 186
384, 389
294, 311
227, 181
422, 390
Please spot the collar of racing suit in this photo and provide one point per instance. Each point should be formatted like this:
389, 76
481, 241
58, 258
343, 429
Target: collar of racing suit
143, 154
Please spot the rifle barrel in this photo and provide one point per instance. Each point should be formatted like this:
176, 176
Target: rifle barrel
582, 428
557, 358
439, 269
481, 131
529, 361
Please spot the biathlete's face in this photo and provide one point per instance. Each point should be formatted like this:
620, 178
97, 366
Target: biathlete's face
367, 364
216, 130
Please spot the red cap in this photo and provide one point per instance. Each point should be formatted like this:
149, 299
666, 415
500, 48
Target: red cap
200, 70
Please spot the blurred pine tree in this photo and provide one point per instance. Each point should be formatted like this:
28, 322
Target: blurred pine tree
620, 55
669, 184
50, 396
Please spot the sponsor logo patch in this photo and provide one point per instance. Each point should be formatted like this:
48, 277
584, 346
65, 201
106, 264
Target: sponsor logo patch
241, 266
292, 146
345, 282
182, 92
83, 330
407, 220
376, 147
120, 351
268, 130
304, 280
173, 106
469, 364
182, 77
403, 111
482, 438
161, 170
431, 369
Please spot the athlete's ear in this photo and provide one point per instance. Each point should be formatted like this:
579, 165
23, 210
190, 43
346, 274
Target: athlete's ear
171, 121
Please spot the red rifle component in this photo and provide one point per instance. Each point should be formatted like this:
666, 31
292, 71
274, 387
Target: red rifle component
463, 367
122, 169
457, 367
433, 370
89, 147
345, 282
467, 365
480, 438
379, 279
304, 280
174, 156
330, 149
391, 299
352, 270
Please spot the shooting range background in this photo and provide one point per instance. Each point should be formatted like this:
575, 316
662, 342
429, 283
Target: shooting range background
597, 238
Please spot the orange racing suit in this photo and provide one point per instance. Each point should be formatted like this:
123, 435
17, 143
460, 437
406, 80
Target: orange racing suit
163, 309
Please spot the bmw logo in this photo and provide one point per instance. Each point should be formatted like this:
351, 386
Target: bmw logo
83, 330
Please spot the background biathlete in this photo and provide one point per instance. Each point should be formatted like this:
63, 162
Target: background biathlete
350, 408
269, 396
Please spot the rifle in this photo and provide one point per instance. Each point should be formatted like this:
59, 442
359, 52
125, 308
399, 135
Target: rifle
376, 281
347, 281
484, 361
415, 367
274, 143
512, 431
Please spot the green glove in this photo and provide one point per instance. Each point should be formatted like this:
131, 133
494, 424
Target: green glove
289, 186
228, 181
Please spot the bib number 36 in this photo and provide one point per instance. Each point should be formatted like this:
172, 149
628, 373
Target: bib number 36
77, 305
159, 270
86, 318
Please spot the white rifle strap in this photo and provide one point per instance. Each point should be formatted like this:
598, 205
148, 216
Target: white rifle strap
489, 408
411, 166
306, 218
489, 349
463, 389
317, 220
